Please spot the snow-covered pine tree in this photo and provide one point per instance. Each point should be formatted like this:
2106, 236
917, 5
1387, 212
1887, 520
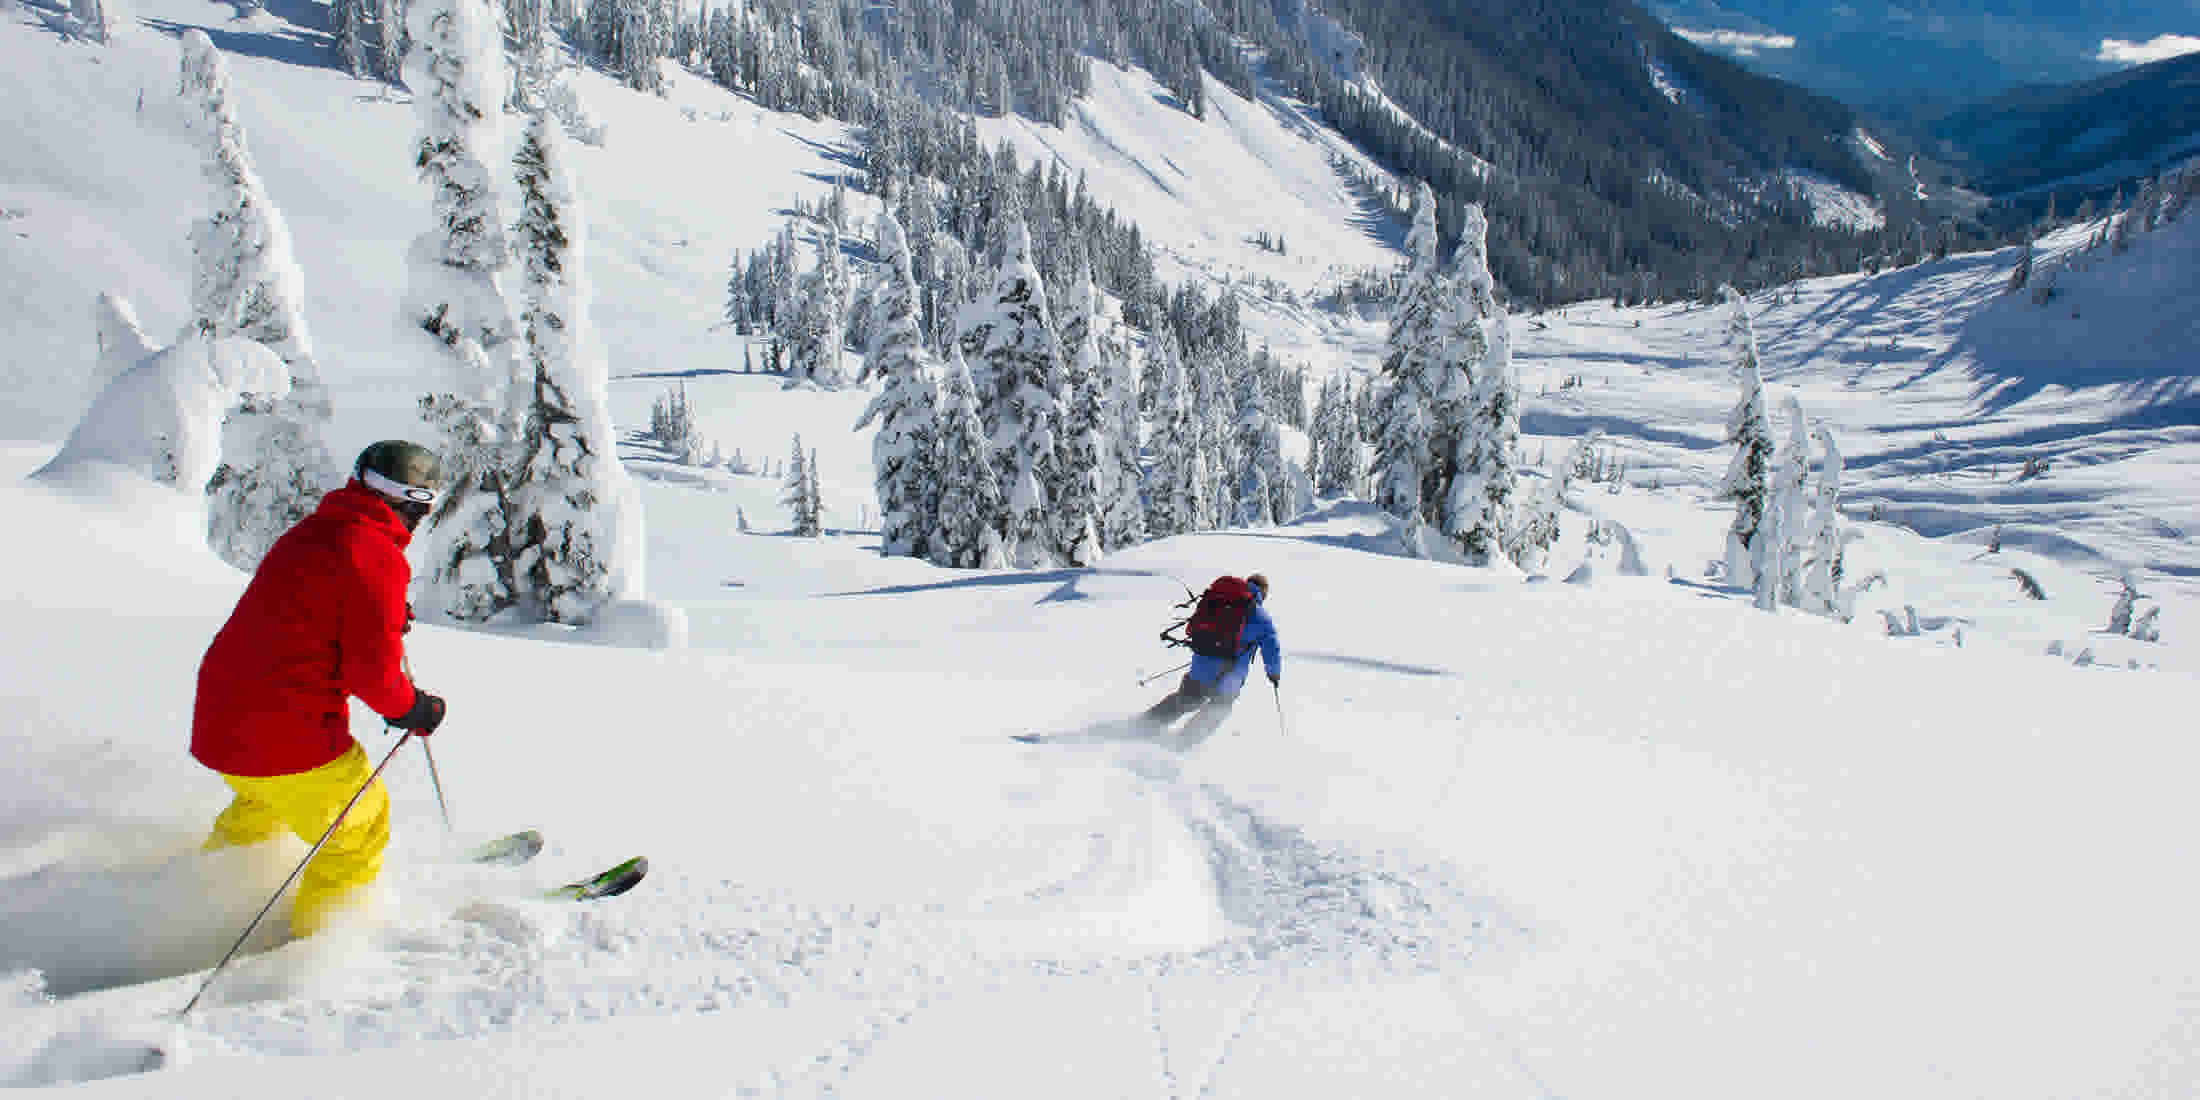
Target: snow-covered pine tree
738, 306
1177, 499
1779, 550
967, 534
1122, 498
1214, 407
1343, 460
630, 36
785, 306
1020, 385
905, 453
456, 70
1475, 355
392, 39
1822, 584
350, 37
795, 493
817, 494
821, 328
1407, 422
1747, 428
1263, 492
1085, 461
574, 516
246, 283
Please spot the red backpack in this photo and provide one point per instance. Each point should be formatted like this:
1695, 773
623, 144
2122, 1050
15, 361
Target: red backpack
1218, 622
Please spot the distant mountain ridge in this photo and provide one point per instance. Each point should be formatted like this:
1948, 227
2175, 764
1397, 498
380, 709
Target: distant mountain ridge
1904, 55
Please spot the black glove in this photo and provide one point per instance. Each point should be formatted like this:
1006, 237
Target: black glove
426, 714
1276, 678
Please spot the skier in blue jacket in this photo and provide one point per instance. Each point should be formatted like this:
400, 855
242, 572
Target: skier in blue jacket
1211, 685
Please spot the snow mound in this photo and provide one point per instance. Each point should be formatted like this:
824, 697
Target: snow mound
163, 417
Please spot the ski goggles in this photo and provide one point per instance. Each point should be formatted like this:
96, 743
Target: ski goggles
413, 500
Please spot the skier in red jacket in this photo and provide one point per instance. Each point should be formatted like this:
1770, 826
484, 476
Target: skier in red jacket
322, 620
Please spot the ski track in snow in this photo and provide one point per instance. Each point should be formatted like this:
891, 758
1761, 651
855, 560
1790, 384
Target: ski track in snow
1299, 911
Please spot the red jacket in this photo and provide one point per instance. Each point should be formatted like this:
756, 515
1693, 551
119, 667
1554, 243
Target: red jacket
323, 618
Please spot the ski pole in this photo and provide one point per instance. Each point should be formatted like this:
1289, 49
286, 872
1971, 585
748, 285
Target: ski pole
294, 873
1164, 672
435, 777
1281, 725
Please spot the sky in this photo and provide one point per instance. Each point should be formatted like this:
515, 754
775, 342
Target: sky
1587, 831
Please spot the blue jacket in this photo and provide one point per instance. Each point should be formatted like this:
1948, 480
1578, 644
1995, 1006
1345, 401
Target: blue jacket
1227, 676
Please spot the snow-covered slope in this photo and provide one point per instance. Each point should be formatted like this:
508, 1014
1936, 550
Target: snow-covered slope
1494, 835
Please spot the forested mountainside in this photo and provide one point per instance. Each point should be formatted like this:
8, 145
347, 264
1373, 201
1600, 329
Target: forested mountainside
1619, 155
2079, 141
1612, 156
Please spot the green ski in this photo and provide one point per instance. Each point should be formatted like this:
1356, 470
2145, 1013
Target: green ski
508, 851
611, 883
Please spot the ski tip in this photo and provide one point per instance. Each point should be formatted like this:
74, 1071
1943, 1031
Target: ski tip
608, 884
626, 876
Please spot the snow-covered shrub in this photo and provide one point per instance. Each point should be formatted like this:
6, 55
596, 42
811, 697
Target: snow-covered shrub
163, 417
2028, 584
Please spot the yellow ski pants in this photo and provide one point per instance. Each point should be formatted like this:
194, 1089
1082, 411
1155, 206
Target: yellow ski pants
305, 803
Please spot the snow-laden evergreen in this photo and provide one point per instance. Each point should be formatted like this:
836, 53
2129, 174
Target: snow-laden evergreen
1263, 489
1214, 409
1019, 379
349, 26
1122, 485
1340, 462
1748, 475
1475, 353
1411, 382
1822, 583
798, 491
630, 36
821, 327
247, 283
905, 452
1777, 557
1087, 455
574, 516
455, 67
967, 535
1177, 487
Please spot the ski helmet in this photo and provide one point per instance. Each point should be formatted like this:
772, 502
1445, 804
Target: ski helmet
406, 474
